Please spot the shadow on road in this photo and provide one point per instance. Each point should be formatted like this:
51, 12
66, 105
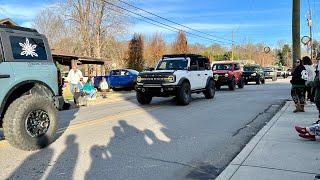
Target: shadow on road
114, 157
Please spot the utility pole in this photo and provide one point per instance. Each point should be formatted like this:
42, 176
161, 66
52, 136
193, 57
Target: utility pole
296, 49
232, 53
310, 31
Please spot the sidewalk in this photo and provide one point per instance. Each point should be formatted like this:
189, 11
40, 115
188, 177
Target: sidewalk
277, 152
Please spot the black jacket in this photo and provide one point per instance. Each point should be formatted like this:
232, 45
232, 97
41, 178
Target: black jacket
297, 76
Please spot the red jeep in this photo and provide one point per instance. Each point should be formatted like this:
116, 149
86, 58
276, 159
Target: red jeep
228, 73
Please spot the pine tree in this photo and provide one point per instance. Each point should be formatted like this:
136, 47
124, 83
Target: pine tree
136, 60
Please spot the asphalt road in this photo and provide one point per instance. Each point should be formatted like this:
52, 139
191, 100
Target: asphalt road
158, 141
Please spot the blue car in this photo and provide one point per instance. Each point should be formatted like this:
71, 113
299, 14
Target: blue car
122, 78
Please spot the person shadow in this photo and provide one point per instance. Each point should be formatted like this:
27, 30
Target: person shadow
65, 164
126, 149
34, 166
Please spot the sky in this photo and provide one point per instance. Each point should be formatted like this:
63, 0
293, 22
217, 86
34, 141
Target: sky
256, 21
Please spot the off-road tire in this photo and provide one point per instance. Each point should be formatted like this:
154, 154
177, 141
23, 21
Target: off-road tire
241, 83
15, 118
232, 84
263, 81
184, 94
144, 98
210, 90
218, 87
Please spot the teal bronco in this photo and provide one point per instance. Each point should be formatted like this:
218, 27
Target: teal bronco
28, 89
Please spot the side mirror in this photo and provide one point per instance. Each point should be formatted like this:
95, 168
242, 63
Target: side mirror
151, 69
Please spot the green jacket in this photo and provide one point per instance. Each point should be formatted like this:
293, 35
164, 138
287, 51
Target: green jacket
88, 87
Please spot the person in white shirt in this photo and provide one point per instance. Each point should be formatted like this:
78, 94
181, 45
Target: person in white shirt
74, 77
104, 87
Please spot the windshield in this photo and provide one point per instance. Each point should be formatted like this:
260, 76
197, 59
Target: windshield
222, 67
177, 64
250, 68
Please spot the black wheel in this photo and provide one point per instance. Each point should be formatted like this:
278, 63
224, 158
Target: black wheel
210, 90
232, 84
246, 82
218, 87
258, 81
30, 122
263, 81
241, 83
144, 98
184, 94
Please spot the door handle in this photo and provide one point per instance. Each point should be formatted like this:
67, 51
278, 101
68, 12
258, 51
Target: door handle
2, 76
206, 74
198, 74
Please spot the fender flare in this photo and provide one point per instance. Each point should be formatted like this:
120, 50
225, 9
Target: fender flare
15, 87
183, 80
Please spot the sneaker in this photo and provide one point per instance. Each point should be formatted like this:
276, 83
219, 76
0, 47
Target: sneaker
308, 136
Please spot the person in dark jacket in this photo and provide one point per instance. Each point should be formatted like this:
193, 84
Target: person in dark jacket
298, 81
310, 132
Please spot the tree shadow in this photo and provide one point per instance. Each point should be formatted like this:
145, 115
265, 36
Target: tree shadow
115, 158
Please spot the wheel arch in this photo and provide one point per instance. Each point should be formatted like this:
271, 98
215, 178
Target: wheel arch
182, 80
22, 88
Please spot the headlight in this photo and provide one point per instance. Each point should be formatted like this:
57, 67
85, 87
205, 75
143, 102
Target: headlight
254, 74
226, 75
139, 79
170, 79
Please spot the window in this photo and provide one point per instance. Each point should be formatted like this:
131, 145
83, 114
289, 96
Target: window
180, 64
193, 65
201, 64
28, 48
222, 67
236, 66
124, 73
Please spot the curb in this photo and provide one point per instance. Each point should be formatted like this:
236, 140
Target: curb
235, 164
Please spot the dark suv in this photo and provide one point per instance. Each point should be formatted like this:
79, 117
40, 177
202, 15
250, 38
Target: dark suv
253, 73
228, 73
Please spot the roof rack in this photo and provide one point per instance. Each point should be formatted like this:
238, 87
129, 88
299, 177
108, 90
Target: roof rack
18, 28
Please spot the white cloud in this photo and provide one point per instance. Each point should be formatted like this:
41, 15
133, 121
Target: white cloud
20, 12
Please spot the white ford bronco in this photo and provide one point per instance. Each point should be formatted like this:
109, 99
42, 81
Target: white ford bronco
29, 94
177, 75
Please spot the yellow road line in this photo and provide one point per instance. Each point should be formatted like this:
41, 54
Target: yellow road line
136, 111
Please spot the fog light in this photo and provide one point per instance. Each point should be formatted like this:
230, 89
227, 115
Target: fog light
143, 90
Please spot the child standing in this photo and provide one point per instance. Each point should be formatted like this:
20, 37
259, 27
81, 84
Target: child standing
104, 87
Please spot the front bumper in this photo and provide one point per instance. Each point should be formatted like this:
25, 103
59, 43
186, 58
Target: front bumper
158, 90
221, 80
250, 78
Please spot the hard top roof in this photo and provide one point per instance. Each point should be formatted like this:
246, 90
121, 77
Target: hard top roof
183, 55
225, 62
17, 28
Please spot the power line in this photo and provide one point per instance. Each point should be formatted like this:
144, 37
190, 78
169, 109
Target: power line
193, 34
174, 21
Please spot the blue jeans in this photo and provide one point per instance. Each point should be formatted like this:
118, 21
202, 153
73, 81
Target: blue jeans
315, 129
92, 93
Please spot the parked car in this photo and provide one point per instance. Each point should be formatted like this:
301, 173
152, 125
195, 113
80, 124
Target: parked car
270, 73
122, 79
177, 75
29, 93
253, 73
282, 73
228, 73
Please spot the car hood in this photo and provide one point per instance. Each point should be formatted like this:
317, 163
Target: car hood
220, 71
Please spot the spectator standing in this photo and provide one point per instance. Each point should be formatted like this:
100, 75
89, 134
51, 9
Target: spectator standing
104, 87
298, 81
311, 75
74, 77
